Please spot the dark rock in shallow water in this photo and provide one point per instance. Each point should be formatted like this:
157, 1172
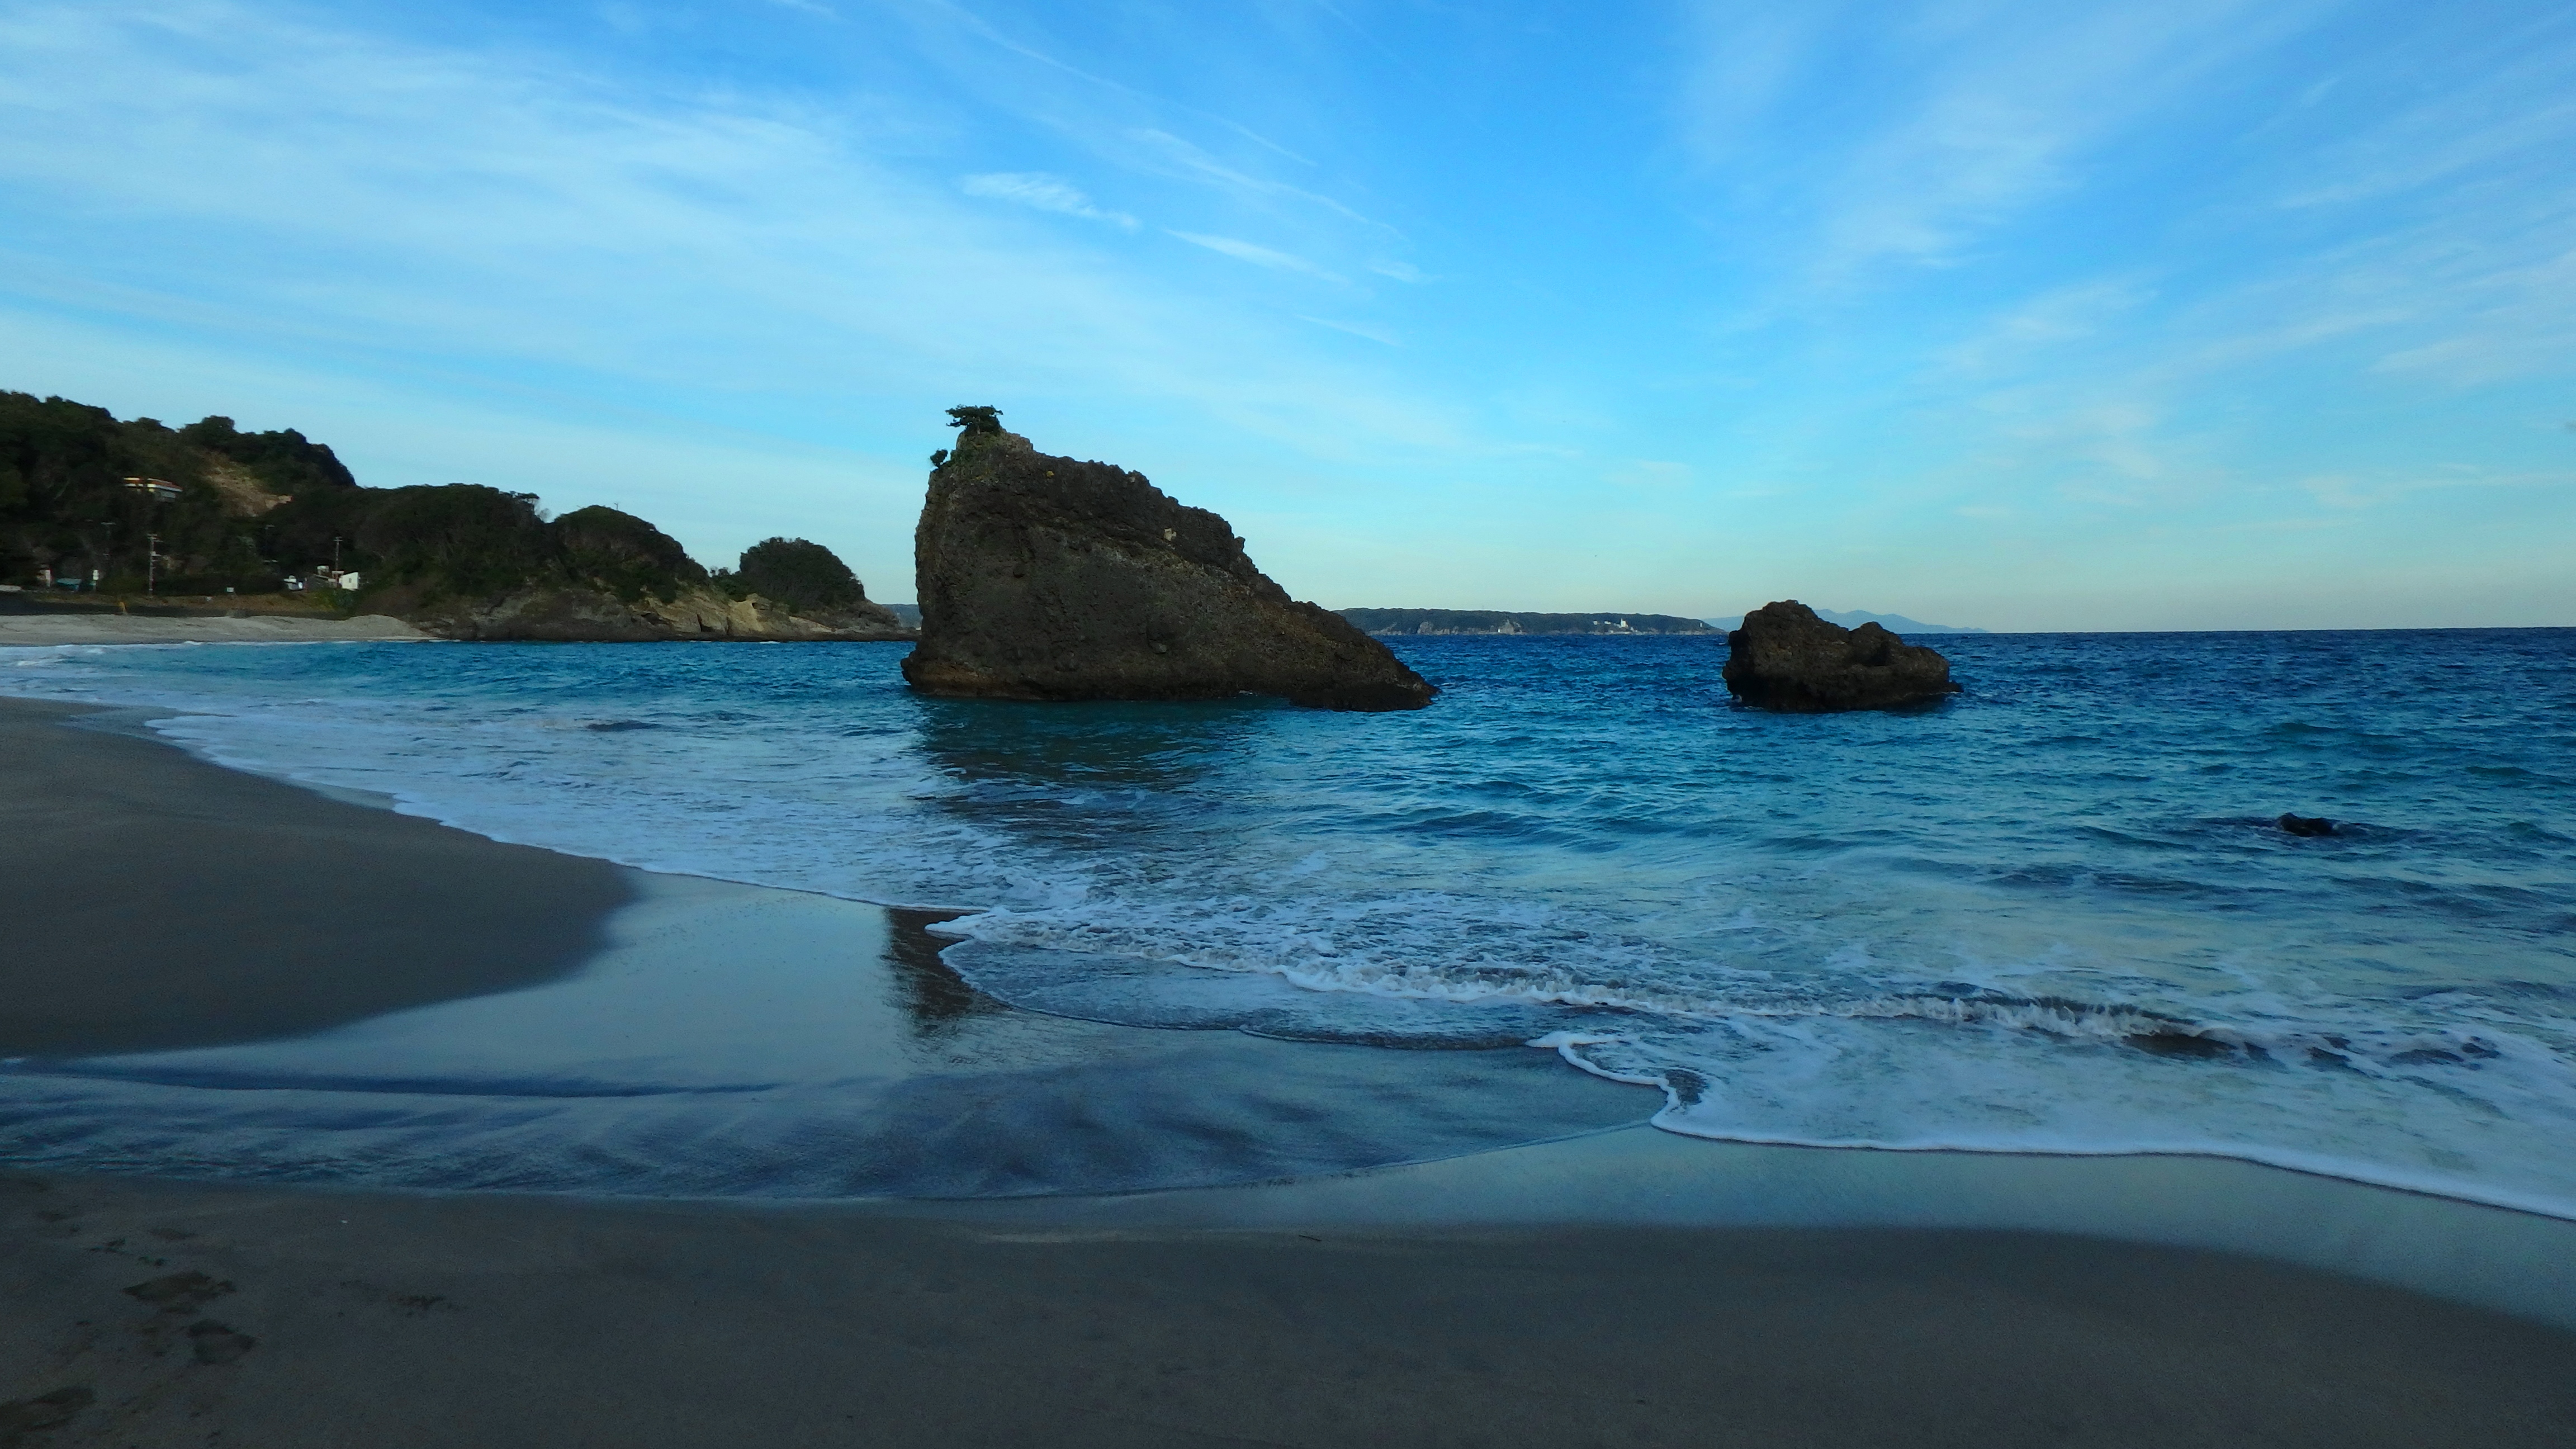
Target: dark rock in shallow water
1047, 578
1785, 658
2307, 825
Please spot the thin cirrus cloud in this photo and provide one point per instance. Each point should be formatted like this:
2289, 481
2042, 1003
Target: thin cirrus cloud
1041, 192
1259, 256
1356, 329
1975, 115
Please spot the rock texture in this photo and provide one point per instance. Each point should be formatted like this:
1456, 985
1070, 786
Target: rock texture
1047, 578
1785, 658
589, 615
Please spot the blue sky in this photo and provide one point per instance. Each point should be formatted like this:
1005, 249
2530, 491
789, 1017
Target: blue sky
2193, 314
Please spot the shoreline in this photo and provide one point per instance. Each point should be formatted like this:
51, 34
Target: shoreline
580, 888
1620, 1284
55, 630
140, 876
180, 765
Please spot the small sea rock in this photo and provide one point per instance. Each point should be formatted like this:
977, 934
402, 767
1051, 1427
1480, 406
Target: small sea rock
1785, 658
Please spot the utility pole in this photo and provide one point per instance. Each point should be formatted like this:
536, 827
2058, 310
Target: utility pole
335, 553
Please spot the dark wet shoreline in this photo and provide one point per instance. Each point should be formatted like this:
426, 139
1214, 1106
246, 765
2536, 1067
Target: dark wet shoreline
154, 901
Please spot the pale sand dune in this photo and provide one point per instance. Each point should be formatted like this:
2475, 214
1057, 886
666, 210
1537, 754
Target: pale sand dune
43, 629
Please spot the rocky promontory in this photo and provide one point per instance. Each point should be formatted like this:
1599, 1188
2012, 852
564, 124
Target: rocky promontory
1787, 659
462, 562
580, 614
1048, 578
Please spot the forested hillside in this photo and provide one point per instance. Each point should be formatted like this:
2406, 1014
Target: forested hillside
87, 497
66, 504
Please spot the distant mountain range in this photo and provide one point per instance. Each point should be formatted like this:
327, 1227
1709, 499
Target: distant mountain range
1894, 623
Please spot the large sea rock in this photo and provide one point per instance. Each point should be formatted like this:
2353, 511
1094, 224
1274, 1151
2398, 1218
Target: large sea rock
1048, 578
1785, 658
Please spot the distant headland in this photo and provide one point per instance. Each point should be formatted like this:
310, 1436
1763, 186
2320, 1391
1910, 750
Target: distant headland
273, 523
1503, 621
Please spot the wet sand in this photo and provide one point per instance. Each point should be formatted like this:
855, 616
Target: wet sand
1402, 1306
312, 1318
152, 901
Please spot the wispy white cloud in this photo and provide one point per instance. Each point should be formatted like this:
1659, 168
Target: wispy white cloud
1961, 115
2050, 320
1259, 256
546, 237
1041, 192
1653, 474
1405, 272
1189, 159
2346, 491
2516, 112
994, 35
1357, 329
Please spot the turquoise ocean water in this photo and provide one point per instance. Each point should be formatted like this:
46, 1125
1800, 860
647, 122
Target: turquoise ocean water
2050, 916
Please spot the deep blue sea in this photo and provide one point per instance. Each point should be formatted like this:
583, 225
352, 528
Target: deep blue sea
2052, 915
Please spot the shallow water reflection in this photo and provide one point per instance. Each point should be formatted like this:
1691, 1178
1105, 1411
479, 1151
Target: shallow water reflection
736, 1041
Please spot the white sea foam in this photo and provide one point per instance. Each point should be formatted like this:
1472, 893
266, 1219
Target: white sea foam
1835, 985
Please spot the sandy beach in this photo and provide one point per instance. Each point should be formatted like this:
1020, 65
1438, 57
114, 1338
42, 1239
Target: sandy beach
156, 902
1494, 1297
104, 628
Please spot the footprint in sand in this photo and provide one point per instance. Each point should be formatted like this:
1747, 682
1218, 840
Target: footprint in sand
218, 1343
44, 1411
179, 1292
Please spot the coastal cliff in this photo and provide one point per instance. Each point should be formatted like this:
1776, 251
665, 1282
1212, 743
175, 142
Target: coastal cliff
1048, 578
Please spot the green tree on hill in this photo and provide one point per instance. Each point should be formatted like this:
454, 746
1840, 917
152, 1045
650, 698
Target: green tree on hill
623, 554
65, 505
804, 576
283, 460
456, 538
